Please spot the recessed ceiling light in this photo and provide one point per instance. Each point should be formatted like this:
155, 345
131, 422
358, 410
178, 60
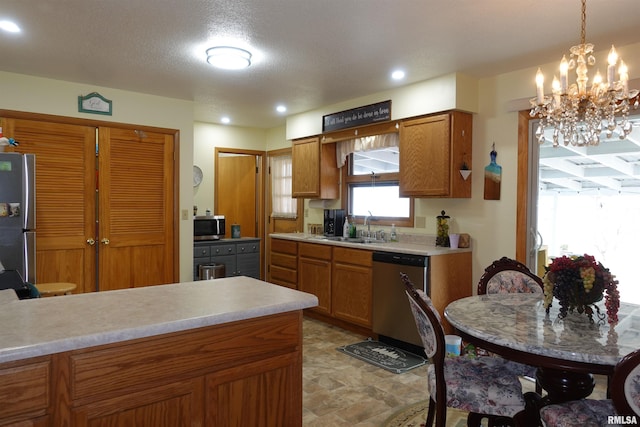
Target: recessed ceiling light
397, 75
9, 26
281, 109
225, 120
228, 57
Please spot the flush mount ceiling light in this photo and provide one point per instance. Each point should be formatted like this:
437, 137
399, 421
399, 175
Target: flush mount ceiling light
9, 26
228, 57
576, 112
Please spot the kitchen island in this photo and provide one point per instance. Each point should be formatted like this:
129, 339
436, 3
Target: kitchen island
219, 352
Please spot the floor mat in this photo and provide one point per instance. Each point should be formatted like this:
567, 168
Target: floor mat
384, 356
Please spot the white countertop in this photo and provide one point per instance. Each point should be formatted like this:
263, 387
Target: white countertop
36, 327
398, 247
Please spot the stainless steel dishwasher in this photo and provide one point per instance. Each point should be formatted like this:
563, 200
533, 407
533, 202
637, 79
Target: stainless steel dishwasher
392, 318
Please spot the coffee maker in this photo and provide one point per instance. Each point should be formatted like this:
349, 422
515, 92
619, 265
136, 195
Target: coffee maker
333, 222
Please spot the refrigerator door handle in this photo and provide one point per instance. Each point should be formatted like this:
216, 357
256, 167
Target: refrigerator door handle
30, 256
29, 178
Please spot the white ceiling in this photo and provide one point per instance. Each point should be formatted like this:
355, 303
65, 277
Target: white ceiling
308, 54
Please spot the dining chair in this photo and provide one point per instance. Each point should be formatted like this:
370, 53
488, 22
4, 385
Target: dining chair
506, 276
485, 386
624, 402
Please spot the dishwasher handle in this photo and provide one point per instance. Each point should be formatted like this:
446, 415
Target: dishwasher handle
401, 259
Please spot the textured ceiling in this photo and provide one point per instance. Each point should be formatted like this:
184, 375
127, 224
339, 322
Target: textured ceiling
307, 53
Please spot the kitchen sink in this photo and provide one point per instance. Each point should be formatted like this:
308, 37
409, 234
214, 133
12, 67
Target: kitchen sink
353, 239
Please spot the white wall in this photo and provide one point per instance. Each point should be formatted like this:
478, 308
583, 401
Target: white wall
46, 96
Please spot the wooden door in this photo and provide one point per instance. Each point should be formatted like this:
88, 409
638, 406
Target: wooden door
65, 198
136, 208
237, 192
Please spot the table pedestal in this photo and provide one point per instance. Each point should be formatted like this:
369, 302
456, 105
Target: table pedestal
562, 386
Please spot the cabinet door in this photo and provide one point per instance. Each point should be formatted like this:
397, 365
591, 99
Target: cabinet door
306, 168
262, 394
136, 208
314, 273
351, 290
425, 156
65, 198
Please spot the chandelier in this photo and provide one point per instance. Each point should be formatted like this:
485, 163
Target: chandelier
579, 114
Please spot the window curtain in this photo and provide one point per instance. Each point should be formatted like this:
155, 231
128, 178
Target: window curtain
366, 143
282, 204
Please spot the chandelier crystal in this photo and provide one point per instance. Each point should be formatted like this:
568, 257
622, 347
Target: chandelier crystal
577, 112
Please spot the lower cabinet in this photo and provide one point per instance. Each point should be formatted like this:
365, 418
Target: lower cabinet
244, 373
314, 273
351, 286
240, 258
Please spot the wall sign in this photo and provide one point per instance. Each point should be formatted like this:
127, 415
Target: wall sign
360, 116
94, 103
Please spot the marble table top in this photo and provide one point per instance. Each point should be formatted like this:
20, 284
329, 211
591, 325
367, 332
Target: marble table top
520, 322
37, 327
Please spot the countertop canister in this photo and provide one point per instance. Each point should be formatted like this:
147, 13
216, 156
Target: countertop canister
235, 231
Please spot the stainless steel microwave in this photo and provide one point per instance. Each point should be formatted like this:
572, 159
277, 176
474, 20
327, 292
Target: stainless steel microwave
210, 227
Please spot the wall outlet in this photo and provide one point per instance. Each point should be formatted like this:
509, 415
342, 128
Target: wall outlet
185, 214
421, 222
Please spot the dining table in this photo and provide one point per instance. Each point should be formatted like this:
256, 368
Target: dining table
567, 351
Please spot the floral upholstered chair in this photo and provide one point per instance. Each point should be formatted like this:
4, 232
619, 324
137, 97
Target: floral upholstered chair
506, 276
485, 387
624, 402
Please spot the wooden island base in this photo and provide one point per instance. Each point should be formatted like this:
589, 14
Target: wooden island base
243, 373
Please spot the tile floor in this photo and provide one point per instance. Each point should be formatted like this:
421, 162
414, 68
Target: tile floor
340, 390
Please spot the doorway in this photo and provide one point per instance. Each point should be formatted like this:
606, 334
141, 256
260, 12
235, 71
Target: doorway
239, 192
584, 200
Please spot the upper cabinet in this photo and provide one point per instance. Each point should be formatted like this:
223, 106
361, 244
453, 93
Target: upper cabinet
315, 170
433, 149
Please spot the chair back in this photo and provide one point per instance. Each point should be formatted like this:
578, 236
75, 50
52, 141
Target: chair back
506, 276
625, 385
431, 333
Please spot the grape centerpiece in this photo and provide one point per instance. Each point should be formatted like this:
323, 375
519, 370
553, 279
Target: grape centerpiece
578, 283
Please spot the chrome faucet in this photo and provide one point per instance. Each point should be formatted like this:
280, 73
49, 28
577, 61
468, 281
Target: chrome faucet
367, 222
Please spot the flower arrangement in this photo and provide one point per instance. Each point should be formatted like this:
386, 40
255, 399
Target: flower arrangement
578, 282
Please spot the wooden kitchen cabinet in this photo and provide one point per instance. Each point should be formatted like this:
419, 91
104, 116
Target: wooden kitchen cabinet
240, 257
432, 151
314, 274
283, 267
24, 392
351, 287
315, 172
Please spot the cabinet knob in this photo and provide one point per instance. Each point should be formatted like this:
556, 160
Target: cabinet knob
229, 250
242, 249
91, 241
105, 241
203, 252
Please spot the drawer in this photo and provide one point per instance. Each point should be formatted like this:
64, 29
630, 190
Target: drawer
25, 390
284, 246
248, 248
281, 275
223, 250
283, 260
353, 256
201, 251
317, 251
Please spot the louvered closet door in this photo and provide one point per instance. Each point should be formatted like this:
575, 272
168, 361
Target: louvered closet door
65, 198
136, 208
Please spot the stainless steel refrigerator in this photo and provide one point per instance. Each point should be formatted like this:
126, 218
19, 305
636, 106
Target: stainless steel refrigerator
18, 214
